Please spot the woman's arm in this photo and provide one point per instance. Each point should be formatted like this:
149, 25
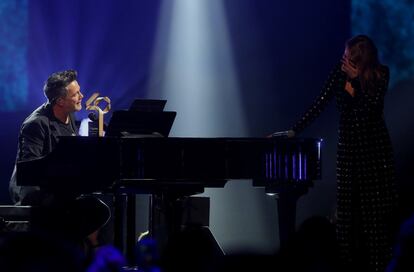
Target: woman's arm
320, 102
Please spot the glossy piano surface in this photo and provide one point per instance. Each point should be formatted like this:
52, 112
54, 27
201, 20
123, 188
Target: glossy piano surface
77, 163
88, 163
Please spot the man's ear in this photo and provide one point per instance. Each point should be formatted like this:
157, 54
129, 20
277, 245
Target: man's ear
59, 101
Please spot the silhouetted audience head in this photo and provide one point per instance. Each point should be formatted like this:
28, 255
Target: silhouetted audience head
33, 252
192, 249
146, 253
107, 259
312, 248
246, 260
26, 252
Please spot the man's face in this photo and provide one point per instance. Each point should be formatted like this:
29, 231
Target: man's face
72, 101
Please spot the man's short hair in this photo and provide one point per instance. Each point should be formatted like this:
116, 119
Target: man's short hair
55, 85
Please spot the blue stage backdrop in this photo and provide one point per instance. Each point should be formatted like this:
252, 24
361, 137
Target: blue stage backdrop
13, 54
214, 60
108, 43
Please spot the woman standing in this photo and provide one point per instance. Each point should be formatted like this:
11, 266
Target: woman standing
366, 190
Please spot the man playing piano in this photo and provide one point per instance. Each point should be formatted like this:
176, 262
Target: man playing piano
68, 215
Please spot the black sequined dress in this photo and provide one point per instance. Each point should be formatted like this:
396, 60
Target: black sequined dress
366, 193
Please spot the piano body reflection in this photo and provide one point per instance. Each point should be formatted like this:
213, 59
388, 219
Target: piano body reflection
178, 166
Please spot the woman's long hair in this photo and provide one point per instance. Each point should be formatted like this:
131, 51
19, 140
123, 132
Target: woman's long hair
364, 54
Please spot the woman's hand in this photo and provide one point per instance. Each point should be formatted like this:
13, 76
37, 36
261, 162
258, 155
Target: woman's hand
349, 88
349, 68
284, 134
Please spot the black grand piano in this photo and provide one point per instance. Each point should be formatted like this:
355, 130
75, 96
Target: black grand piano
128, 165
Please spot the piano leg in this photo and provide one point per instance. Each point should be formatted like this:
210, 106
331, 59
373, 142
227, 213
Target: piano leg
163, 219
119, 221
131, 238
124, 225
287, 197
286, 208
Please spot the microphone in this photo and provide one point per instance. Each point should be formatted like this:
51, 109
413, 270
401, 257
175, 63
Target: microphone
287, 134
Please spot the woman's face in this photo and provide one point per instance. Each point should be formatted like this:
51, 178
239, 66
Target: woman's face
347, 56
354, 56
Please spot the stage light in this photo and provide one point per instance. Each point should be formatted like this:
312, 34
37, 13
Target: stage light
193, 69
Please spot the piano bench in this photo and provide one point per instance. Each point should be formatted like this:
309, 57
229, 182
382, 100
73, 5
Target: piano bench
15, 218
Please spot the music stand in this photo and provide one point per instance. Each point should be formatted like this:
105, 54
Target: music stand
147, 105
140, 123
